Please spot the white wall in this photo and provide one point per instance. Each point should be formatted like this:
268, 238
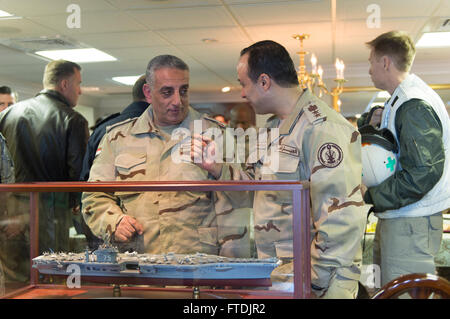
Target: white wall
87, 112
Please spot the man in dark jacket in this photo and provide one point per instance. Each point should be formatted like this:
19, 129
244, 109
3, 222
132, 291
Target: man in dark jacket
135, 109
47, 140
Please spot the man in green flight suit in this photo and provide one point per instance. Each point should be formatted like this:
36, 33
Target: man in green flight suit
409, 203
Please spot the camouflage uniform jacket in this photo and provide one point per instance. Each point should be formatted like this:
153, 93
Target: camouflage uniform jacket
136, 150
317, 144
7, 166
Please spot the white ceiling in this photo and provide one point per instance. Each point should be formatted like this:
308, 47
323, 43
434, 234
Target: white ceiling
134, 31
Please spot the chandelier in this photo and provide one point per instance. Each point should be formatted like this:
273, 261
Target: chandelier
313, 80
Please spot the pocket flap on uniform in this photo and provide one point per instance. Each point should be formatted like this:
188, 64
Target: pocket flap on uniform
287, 163
284, 249
130, 160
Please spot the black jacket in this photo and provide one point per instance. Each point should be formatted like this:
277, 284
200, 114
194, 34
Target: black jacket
46, 137
135, 109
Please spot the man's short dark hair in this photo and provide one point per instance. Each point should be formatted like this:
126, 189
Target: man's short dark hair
397, 45
57, 70
271, 58
163, 61
138, 94
5, 90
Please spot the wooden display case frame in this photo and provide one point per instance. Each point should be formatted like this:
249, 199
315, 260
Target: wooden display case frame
300, 215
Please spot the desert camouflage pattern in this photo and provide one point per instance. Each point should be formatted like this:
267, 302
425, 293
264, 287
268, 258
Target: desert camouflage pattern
235, 226
7, 165
179, 222
318, 145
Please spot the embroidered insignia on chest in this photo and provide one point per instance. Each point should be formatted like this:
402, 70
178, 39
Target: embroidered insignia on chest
330, 155
290, 150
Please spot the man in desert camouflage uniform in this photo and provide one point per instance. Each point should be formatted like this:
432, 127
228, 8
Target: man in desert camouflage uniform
315, 144
9, 224
140, 149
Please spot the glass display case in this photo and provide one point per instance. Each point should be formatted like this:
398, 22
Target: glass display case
44, 254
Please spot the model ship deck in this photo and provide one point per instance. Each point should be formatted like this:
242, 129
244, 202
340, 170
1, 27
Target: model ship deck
107, 262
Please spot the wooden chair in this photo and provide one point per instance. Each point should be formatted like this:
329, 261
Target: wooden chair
415, 286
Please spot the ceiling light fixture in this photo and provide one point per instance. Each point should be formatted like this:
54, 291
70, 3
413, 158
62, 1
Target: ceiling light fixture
86, 55
90, 89
314, 80
226, 89
383, 95
209, 40
4, 14
127, 80
434, 40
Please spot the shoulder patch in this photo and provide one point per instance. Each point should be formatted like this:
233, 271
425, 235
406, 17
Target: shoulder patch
220, 124
109, 128
314, 113
330, 155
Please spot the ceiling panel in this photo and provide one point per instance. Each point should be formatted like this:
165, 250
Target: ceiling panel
444, 9
33, 8
197, 35
355, 33
143, 53
433, 54
10, 57
180, 18
119, 40
281, 12
216, 56
92, 22
23, 28
358, 9
26, 73
161, 4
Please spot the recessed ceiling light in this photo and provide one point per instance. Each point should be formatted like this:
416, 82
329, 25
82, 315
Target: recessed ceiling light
4, 14
90, 89
209, 40
383, 94
434, 40
77, 55
127, 80
226, 89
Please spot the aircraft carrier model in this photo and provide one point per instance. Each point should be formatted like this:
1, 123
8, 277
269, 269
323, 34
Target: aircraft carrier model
106, 261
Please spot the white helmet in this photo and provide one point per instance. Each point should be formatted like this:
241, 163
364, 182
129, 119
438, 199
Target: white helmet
379, 159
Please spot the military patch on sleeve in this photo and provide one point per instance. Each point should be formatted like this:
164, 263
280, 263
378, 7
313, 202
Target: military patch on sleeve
330, 155
99, 150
